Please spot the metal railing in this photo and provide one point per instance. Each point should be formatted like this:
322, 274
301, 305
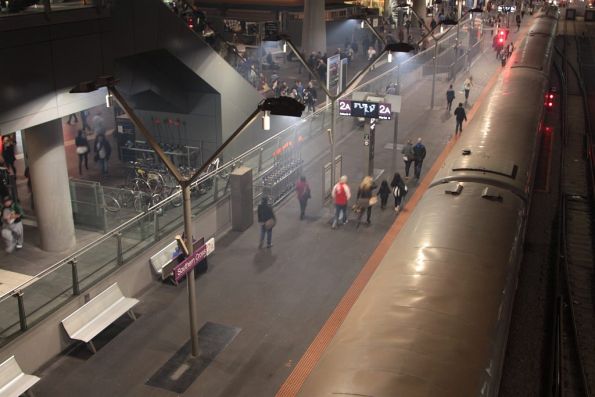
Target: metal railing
50, 289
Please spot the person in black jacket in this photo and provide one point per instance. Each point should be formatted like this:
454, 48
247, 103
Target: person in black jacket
450, 96
460, 116
364, 194
419, 154
267, 220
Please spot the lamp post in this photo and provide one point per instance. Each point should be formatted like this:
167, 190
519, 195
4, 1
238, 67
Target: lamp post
284, 106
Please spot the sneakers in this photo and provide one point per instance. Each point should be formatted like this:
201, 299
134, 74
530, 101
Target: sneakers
397, 209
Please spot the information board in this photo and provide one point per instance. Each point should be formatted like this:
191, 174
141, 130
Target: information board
368, 110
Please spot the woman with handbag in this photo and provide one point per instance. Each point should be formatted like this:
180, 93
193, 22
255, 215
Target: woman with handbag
267, 220
302, 190
366, 199
82, 149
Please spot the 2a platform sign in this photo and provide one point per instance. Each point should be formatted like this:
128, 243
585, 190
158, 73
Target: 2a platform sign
368, 110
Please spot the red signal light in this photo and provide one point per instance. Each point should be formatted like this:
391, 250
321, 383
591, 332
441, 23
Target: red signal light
501, 40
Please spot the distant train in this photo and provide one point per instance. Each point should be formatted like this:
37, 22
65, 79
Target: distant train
434, 318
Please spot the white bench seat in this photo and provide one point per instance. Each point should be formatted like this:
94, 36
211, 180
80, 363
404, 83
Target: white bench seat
13, 381
97, 314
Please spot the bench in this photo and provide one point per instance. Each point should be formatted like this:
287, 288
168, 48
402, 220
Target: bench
163, 261
97, 314
13, 381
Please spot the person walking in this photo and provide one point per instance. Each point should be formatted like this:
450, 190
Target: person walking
383, 192
460, 116
85, 123
302, 190
103, 150
365, 199
8, 155
12, 227
408, 156
419, 154
518, 22
399, 190
450, 96
267, 220
341, 195
82, 149
467, 87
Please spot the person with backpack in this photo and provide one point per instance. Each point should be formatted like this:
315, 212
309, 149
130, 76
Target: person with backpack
302, 190
103, 151
341, 195
399, 191
267, 220
419, 154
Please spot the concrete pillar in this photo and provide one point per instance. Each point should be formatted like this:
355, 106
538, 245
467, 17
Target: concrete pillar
49, 183
314, 27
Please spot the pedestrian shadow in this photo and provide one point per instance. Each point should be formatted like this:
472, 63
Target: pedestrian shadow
445, 116
263, 259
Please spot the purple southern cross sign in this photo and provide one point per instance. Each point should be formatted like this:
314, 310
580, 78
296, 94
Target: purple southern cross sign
184, 267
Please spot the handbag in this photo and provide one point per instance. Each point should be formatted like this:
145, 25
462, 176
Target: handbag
373, 200
82, 149
268, 225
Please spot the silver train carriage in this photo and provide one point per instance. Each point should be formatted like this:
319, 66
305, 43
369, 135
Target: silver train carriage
434, 318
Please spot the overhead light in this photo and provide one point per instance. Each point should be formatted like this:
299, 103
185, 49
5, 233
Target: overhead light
109, 100
266, 120
390, 57
284, 46
361, 25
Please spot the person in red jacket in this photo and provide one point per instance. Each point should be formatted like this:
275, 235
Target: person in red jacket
341, 195
302, 190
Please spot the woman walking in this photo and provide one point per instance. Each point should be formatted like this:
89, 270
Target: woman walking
365, 199
302, 190
399, 190
383, 192
82, 149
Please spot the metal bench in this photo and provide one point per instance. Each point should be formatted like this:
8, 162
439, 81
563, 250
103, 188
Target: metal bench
163, 261
95, 315
13, 381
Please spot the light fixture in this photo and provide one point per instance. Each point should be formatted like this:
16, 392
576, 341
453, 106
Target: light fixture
109, 100
390, 57
284, 46
361, 25
266, 120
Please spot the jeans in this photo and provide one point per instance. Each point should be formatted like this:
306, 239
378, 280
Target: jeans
407, 167
398, 200
449, 105
368, 211
466, 95
269, 234
417, 168
103, 165
83, 158
459, 127
303, 204
338, 209
12, 235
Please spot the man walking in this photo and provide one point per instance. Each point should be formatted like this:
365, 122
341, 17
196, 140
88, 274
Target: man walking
419, 154
341, 195
450, 96
12, 227
408, 156
302, 190
460, 116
